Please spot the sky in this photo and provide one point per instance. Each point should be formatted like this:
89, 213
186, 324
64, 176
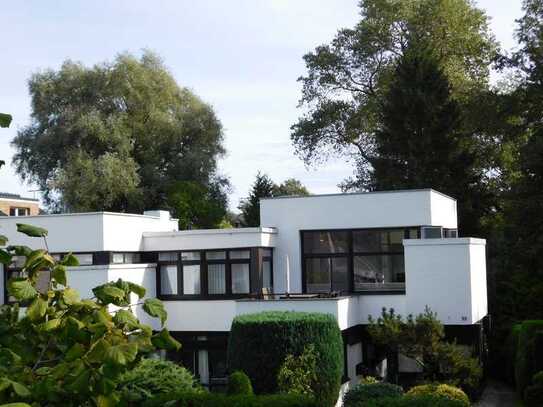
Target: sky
241, 56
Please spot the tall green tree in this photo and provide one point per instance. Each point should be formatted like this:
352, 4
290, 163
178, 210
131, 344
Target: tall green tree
290, 187
347, 80
115, 136
421, 143
196, 205
250, 207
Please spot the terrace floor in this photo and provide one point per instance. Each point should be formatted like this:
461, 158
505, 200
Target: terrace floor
497, 394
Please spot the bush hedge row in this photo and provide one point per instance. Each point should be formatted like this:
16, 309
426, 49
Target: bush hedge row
260, 342
224, 400
413, 401
526, 359
370, 391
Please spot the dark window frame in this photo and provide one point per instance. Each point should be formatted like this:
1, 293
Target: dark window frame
351, 254
204, 262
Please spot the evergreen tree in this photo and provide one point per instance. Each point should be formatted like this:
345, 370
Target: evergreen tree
263, 187
420, 143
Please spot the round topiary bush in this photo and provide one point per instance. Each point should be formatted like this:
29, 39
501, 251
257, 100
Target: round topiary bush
440, 390
364, 392
259, 344
239, 383
151, 378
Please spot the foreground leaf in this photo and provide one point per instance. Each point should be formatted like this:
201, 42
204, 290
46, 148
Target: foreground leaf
59, 274
22, 289
155, 308
5, 120
32, 231
37, 309
122, 354
163, 340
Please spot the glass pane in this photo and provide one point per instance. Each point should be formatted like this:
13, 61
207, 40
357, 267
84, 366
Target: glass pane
216, 255
216, 278
381, 271
190, 256
84, 259
167, 256
240, 254
118, 258
240, 279
432, 232
340, 275
326, 242
414, 233
266, 274
375, 241
266, 252
191, 279
168, 280
318, 275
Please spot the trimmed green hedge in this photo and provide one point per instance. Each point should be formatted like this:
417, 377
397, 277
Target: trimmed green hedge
260, 342
510, 353
239, 383
525, 364
413, 401
223, 400
440, 390
364, 392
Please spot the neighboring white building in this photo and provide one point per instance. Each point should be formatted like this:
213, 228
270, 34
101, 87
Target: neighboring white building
349, 255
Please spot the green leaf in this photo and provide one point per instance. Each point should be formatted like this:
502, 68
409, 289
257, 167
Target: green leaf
81, 382
23, 251
70, 296
122, 354
109, 294
75, 352
50, 325
43, 371
111, 400
69, 260
5, 119
20, 389
4, 384
126, 318
5, 257
98, 351
32, 231
3, 240
163, 340
16, 405
137, 289
37, 309
59, 274
155, 308
21, 288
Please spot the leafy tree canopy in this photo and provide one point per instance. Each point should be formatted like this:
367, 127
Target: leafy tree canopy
264, 187
116, 136
66, 350
347, 79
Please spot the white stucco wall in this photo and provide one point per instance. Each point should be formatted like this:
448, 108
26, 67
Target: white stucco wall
344, 211
209, 239
449, 276
87, 232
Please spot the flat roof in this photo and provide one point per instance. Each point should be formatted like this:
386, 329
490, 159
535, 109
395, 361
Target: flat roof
10, 196
57, 215
194, 232
360, 193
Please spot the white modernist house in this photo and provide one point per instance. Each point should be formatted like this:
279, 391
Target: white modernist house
349, 255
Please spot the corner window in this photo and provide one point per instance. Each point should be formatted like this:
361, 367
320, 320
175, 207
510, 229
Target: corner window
240, 278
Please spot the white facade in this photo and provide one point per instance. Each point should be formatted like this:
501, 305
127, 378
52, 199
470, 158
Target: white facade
447, 275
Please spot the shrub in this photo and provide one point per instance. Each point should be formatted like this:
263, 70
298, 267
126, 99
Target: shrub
460, 370
259, 344
413, 401
298, 374
538, 379
239, 383
154, 377
361, 393
440, 390
223, 400
525, 366
510, 353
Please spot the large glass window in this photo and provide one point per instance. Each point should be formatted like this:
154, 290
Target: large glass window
240, 278
168, 279
326, 242
216, 279
191, 279
373, 258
